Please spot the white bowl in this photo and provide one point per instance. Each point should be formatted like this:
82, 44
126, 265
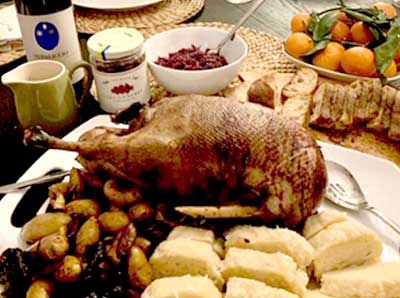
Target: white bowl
205, 82
335, 75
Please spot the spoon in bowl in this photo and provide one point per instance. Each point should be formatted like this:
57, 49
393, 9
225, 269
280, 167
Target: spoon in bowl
344, 191
231, 33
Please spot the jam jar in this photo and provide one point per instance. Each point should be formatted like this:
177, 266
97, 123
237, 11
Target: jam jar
119, 67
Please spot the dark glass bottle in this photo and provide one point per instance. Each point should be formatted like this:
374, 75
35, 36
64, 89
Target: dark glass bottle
49, 32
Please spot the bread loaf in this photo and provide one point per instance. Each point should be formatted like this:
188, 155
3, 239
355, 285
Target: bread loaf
184, 256
316, 223
303, 83
270, 241
298, 108
320, 115
249, 288
361, 108
394, 129
276, 270
369, 281
344, 244
182, 287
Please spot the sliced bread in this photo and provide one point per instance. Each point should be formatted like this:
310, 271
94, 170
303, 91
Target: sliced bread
344, 244
394, 129
276, 270
270, 241
303, 83
182, 287
316, 223
369, 281
391, 94
192, 233
321, 99
298, 108
185, 256
248, 288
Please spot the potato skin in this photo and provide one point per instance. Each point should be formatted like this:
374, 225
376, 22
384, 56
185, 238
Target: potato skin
41, 288
88, 234
43, 225
140, 273
69, 271
113, 221
53, 247
84, 208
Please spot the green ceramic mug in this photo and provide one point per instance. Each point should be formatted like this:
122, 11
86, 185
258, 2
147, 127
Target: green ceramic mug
44, 94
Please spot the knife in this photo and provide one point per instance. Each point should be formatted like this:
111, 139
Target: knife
14, 187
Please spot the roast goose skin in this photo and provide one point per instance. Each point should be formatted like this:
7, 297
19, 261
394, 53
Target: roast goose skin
214, 149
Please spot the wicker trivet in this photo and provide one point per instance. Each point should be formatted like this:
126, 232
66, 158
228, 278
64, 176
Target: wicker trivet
167, 12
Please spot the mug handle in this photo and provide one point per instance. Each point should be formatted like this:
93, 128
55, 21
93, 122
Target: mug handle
87, 83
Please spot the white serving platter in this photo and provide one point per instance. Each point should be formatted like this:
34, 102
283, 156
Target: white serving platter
336, 75
114, 4
379, 179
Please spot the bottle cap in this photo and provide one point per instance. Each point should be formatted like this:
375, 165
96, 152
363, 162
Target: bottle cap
115, 43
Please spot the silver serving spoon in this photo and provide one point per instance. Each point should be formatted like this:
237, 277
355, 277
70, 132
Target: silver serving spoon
344, 190
231, 33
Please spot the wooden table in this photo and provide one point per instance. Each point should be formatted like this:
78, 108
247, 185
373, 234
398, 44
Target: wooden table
272, 17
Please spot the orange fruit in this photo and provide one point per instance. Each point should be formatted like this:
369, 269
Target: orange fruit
391, 71
300, 22
360, 33
298, 44
387, 8
340, 31
344, 18
330, 57
359, 61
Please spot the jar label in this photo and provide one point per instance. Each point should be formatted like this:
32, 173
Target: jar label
53, 37
117, 91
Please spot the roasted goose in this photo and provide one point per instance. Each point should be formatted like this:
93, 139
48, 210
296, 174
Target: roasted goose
219, 151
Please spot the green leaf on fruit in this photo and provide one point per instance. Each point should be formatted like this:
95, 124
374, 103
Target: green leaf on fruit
318, 47
385, 53
324, 26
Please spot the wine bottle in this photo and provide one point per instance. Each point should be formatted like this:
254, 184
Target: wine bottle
49, 32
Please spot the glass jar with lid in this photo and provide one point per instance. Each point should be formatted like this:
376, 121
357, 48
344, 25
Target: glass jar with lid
119, 67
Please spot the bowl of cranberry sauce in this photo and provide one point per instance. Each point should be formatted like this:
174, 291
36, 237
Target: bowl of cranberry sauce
182, 62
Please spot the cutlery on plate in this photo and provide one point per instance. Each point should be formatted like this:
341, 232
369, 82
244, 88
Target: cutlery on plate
231, 33
344, 191
14, 187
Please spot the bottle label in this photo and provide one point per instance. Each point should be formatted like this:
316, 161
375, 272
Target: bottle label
117, 91
52, 36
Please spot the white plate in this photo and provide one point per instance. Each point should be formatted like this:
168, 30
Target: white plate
114, 4
377, 177
335, 75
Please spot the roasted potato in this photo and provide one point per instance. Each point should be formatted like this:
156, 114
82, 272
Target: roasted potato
41, 288
76, 180
53, 247
144, 244
128, 237
112, 250
121, 196
58, 193
43, 225
69, 270
141, 211
88, 234
113, 222
83, 208
140, 273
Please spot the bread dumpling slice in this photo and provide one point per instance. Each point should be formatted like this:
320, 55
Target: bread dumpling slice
276, 270
192, 233
316, 223
185, 256
303, 83
182, 287
368, 281
344, 244
270, 241
394, 130
248, 288
298, 108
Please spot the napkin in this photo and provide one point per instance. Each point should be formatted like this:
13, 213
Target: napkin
10, 34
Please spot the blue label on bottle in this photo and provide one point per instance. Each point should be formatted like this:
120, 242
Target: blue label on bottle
46, 35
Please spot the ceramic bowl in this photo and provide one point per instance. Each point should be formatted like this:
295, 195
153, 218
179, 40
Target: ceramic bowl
204, 82
335, 75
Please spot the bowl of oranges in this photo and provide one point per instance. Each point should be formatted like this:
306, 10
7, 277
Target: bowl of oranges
346, 43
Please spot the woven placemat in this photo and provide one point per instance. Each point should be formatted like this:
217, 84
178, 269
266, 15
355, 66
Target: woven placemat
164, 13
265, 51
11, 56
